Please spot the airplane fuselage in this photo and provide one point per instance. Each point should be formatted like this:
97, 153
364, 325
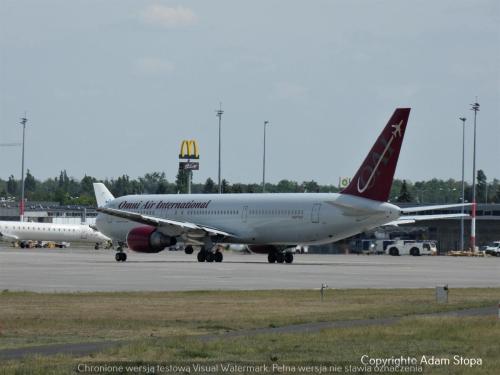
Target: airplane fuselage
285, 219
30, 231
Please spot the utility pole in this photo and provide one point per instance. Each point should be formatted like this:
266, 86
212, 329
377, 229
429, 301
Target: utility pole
219, 115
23, 122
264, 160
475, 108
463, 185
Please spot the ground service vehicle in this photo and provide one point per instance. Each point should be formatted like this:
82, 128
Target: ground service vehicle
412, 247
493, 248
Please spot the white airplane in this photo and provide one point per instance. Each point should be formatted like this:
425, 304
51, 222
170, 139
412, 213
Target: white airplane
23, 232
267, 223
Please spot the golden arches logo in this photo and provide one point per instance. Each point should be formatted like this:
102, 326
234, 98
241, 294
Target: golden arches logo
189, 149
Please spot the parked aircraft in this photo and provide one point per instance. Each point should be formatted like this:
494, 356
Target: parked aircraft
267, 223
23, 232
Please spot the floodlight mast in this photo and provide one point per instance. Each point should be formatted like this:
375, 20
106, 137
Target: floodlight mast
475, 108
23, 122
463, 184
219, 115
264, 160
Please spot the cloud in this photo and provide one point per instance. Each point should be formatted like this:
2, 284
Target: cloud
170, 17
154, 66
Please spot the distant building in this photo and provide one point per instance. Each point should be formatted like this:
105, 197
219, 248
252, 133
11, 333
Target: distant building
49, 212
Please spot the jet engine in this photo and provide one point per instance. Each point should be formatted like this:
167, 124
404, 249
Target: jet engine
148, 240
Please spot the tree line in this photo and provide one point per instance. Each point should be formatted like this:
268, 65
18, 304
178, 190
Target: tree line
67, 190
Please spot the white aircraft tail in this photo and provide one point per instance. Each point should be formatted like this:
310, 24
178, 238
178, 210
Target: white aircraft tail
102, 194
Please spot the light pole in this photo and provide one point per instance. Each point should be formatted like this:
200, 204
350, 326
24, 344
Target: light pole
264, 160
475, 108
463, 185
23, 122
219, 115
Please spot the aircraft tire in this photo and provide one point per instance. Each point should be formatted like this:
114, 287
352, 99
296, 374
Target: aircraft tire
280, 257
188, 249
271, 257
210, 257
201, 256
218, 257
120, 257
96, 247
288, 257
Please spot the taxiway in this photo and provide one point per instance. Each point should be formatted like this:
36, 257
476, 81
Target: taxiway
77, 269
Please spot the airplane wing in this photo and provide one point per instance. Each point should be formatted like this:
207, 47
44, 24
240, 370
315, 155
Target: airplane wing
185, 226
8, 237
410, 219
435, 207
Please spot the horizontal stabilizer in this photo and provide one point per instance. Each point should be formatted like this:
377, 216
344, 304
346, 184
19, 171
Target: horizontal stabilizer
410, 219
435, 207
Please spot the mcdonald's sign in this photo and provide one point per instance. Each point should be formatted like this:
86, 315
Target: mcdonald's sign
189, 149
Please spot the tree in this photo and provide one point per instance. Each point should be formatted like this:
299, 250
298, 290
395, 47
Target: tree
310, 186
404, 194
29, 182
226, 187
63, 180
12, 186
481, 186
209, 187
287, 186
181, 181
238, 188
87, 185
496, 197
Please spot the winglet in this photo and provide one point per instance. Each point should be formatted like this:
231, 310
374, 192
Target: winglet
373, 180
102, 194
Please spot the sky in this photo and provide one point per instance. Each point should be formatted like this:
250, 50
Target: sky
112, 87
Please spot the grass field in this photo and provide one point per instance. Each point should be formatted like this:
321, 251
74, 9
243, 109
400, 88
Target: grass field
162, 327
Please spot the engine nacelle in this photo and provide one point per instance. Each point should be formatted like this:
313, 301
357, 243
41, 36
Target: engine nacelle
148, 240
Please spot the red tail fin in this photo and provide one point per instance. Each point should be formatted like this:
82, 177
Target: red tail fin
373, 180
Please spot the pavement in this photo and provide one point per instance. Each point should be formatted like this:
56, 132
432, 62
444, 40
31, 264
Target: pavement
84, 269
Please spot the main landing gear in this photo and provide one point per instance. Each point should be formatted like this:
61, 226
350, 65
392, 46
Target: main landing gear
209, 256
120, 256
280, 257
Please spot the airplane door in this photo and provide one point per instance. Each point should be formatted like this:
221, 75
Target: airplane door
244, 214
315, 212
